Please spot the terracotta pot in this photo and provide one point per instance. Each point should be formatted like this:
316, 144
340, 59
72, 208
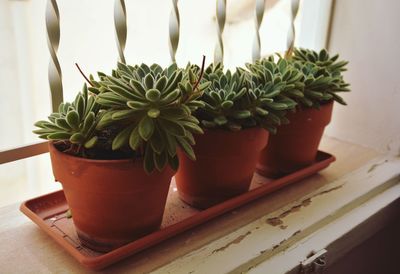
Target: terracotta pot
224, 167
296, 144
112, 201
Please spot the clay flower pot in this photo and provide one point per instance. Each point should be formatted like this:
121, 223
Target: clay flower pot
224, 167
112, 201
296, 144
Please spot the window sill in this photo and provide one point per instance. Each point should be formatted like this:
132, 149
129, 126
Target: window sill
274, 229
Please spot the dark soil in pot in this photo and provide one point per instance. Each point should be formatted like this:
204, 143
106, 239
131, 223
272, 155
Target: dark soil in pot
224, 167
112, 201
296, 144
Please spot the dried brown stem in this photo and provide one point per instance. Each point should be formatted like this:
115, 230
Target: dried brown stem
84, 76
201, 73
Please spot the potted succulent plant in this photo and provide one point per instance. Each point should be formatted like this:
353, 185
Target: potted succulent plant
296, 144
114, 150
237, 110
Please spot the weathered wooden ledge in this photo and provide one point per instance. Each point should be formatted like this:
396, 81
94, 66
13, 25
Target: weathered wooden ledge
276, 232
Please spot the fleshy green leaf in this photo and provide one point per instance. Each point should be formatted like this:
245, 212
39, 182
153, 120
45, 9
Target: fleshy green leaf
153, 113
77, 138
122, 138
146, 128
91, 142
62, 123
149, 81
134, 139
227, 104
59, 136
220, 120
153, 95
160, 160
123, 114
73, 119
242, 114
187, 148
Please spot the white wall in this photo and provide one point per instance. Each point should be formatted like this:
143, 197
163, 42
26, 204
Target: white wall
367, 34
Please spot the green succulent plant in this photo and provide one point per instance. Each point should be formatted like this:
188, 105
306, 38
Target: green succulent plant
234, 101
307, 83
152, 108
74, 122
142, 109
322, 76
319, 85
289, 78
321, 59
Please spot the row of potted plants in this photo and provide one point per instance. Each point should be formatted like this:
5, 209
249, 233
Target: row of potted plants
116, 147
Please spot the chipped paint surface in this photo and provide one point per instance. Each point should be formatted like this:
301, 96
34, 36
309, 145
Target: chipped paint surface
277, 221
274, 247
235, 241
328, 190
274, 221
279, 232
375, 166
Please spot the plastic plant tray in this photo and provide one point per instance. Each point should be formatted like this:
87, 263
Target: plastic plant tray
49, 213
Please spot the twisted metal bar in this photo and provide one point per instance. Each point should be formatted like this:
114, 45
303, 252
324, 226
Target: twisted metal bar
53, 40
221, 18
294, 5
120, 27
260, 7
174, 26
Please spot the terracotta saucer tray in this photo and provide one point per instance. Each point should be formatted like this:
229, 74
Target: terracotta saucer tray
49, 213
